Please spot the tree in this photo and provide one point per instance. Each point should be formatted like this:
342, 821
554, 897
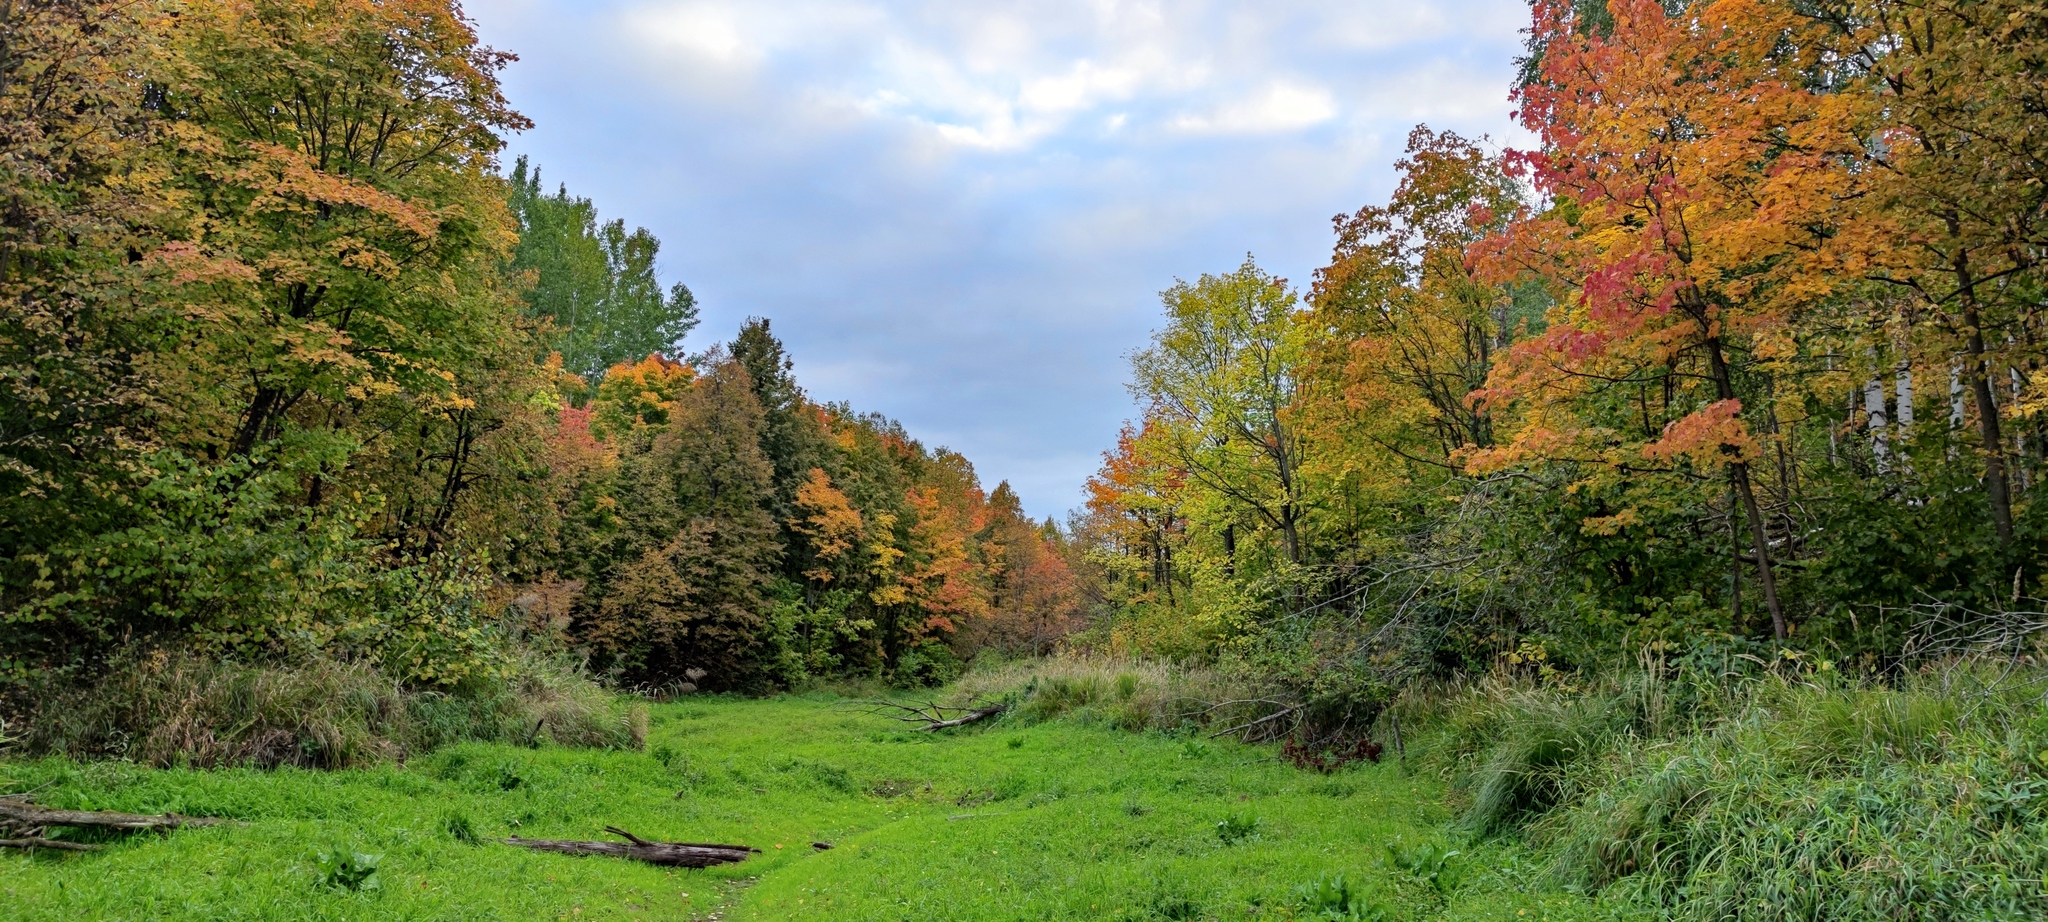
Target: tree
1682, 150
1032, 594
77, 385
792, 433
595, 282
289, 248
1416, 331
1957, 213
1219, 381
343, 153
1134, 508
685, 588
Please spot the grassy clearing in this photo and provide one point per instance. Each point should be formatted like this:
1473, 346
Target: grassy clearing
1021, 819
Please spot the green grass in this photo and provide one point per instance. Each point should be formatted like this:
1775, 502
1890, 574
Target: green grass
1064, 819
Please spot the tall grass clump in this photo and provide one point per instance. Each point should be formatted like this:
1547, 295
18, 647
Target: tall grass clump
1125, 692
171, 708
1792, 794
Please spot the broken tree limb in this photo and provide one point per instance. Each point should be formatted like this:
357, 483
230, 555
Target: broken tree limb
48, 843
968, 718
22, 813
671, 854
933, 714
1247, 727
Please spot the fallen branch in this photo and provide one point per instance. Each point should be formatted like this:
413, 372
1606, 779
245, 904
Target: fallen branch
48, 843
28, 815
1246, 727
932, 714
671, 854
968, 718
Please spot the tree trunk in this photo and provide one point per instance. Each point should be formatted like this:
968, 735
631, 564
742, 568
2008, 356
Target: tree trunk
968, 718
1996, 488
1738, 471
262, 407
1230, 550
1734, 566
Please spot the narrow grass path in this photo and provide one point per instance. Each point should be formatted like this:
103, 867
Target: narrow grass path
1054, 821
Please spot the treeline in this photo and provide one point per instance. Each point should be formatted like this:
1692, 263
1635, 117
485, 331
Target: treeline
718, 528
1747, 356
290, 368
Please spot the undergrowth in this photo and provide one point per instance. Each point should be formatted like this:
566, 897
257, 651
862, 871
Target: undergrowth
165, 708
1125, 693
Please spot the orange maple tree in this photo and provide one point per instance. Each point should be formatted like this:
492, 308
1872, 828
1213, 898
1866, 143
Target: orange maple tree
1683, 153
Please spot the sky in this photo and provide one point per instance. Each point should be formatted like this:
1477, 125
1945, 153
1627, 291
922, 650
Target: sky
959, 213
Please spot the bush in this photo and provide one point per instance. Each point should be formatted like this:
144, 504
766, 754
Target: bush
167, 708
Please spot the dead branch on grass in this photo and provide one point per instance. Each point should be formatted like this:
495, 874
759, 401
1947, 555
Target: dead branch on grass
53, 844
27, 815
931, 714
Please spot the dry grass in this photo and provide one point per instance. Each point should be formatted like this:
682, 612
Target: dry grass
164, 708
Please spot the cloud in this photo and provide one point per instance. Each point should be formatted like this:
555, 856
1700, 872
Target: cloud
705, 32
1281, 106
959, 214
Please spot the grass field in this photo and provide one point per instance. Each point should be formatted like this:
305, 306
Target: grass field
1058, 820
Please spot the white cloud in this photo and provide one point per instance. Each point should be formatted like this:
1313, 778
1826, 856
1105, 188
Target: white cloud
708, 32
1281, 106
1015, 75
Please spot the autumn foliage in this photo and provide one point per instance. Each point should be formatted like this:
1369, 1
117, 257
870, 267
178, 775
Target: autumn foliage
1745, 352
289, 369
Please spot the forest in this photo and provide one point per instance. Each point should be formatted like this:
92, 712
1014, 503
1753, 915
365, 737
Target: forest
1747, 354
293, 371
1670, 484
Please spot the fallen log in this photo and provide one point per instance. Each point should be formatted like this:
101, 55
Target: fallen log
28, 815
671, 854
39, 842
